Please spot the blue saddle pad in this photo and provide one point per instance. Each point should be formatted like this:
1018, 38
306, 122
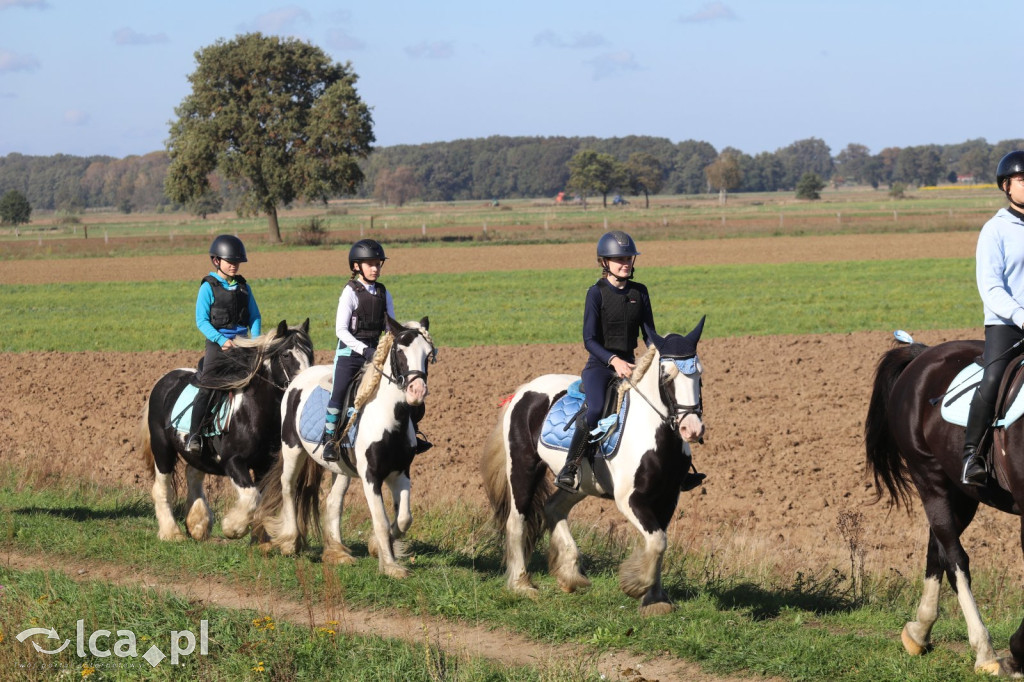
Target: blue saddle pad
557, 436
181, 414
311, 421
956, 403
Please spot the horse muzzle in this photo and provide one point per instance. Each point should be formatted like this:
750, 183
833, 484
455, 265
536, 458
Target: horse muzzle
416, 391
691, 428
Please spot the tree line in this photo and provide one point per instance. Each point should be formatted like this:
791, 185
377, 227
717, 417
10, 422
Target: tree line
501, 167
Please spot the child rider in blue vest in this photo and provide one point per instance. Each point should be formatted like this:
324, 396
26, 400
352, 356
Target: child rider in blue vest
363, 308
616, 312
225, 309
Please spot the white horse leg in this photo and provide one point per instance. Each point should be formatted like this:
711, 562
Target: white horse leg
382, 534
199, 520
400, 493
640, 575
335, 551
236, 522
563, 554
517, 579
977, 634
283, 528
917, 635
163, 505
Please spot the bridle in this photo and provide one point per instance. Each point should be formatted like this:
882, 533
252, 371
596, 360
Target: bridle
403, 380
677, 412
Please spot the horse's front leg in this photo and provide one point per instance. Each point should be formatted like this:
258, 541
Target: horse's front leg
238, 519
400, 486
335, 551
381, 541
563, 553
640, 574
199, 519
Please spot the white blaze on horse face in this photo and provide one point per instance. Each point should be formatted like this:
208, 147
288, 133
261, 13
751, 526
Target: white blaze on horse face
687, 394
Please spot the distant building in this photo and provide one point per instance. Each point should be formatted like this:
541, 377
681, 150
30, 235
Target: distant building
965, 179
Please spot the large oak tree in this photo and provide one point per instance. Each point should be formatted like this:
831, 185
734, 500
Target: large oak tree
275, 115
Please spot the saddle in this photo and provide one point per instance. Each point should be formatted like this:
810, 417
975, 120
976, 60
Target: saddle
311, 421
566, 415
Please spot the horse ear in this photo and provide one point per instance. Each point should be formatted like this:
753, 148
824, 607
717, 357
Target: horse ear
425, 322
694, 336
304, 327
393, 325
282, 328
657, 341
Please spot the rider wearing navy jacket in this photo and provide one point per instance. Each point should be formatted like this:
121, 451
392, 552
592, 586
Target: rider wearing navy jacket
1000, 276
225, 309
616, 312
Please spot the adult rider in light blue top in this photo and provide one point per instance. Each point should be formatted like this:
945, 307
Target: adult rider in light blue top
225, 309
1000, 275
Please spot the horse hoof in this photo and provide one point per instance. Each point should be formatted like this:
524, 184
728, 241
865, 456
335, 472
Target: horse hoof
912, 647
659, 608
396, 571
992, 668
337, 557
171, 536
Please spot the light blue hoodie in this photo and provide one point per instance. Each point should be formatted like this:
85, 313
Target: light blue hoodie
1000, 269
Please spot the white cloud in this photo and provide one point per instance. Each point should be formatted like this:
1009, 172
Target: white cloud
579, 41
440, 49
127, 36
31, 4
280, 21
340, 39
76, 117
612, 63
11, 61
712, 11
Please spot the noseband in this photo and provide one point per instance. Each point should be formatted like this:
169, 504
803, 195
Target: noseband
403, 380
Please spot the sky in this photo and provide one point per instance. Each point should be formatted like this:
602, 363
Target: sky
88, 77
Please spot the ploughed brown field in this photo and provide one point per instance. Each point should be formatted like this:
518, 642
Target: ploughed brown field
784, 446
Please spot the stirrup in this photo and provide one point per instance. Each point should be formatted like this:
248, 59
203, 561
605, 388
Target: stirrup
194, 443
566, 478
332, 449
975, 471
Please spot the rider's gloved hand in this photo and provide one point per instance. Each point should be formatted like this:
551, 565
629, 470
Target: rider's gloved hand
368, 353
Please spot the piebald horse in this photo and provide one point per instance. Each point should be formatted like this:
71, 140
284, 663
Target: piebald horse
256, 372
643, 477
385, 437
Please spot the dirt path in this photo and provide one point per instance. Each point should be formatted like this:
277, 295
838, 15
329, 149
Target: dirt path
454, 638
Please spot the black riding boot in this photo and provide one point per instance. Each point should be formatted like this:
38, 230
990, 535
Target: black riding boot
566, 478
422, 444
200, 411
975, 472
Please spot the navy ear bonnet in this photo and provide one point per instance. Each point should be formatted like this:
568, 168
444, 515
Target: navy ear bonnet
676, 346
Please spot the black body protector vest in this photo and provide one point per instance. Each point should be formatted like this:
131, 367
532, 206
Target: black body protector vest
622, 314
367, 321
230, 308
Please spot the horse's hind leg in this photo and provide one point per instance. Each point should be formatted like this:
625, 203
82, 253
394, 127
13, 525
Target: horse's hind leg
916, 635
199, 520
335, 551
563, 554
163, 505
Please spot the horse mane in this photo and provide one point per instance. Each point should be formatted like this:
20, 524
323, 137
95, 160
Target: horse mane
371, 380
642, 365
240, 363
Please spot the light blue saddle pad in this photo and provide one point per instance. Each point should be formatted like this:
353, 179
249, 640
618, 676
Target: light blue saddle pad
181, 415
556, 436
957, 401
311, 421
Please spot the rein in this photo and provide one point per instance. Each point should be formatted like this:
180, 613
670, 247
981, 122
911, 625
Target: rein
677, 412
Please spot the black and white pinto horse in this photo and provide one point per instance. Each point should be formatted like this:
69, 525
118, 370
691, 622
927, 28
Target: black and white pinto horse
256, 373
643, 477
382, 453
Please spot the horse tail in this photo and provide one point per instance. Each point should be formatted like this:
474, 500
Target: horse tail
266, 523
494, 467
883, 456
142, 439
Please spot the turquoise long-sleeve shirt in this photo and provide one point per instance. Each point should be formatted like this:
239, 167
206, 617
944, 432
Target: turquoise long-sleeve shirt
204, 301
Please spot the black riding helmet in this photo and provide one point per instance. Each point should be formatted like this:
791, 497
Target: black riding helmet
616, 244
228, 247
1009, 165
365, 249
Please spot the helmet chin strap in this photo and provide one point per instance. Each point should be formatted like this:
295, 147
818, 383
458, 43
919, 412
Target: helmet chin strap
1019, 206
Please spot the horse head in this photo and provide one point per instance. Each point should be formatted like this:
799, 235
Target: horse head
680, 372
291, 352
411, 353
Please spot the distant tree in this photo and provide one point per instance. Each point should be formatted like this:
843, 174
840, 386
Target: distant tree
805, 156
14, 208
590, 171
396, 186
854, 162
724, 174
645, 175
206, 203
898, 190
809, 186
275, 114
125, 206
952, 177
